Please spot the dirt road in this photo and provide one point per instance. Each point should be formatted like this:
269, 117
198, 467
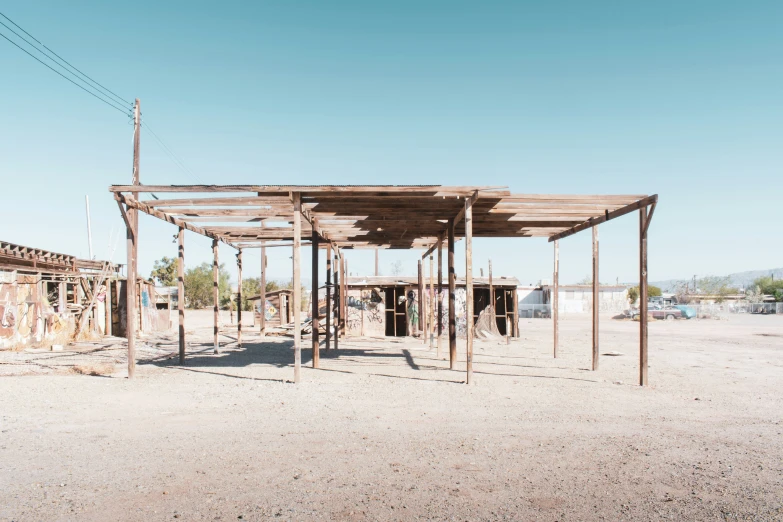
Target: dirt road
384, 431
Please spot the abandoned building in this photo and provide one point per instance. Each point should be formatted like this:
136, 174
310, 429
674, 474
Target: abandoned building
276, 310
389, 306
48, 298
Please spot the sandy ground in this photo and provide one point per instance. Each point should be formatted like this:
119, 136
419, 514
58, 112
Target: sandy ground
385, 431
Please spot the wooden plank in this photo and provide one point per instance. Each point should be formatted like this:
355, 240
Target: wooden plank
297, 298
461, 214
314, 190
229, 201
606, 217
377, 271
469, 286
556, 296
596, 298
181, 291
643, 222
314, 299
215, 296
452, 300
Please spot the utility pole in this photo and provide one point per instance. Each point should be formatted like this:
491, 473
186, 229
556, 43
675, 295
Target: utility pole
132, 248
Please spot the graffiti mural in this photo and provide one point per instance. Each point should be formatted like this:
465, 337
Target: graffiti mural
365, 312
269, 310
26, 317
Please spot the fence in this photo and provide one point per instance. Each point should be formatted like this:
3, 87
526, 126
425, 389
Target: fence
724, 310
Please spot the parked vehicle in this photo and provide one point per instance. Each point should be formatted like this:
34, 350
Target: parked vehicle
687, 311
669, 313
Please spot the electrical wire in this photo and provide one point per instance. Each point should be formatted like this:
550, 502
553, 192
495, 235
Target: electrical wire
124, 111
174, 158
107, 90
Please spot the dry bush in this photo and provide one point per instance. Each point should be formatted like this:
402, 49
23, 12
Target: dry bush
93, 369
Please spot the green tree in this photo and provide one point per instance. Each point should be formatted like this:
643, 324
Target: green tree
250, 287
652, 291
198, 286
164, 271
720, 287
767, 285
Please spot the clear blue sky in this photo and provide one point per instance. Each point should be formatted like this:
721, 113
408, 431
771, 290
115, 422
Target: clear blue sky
683, 99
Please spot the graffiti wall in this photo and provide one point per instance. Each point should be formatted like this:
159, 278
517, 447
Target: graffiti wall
366, 312
26, 317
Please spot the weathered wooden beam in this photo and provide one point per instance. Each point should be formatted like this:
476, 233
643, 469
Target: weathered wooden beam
452, 299
469, 286
314, 190
440, 296
181, 292
461, 214
215, 296
132, 203
314, 299
643, 222
556, 297
596, 298
606, 217
297, 299
239, 297
328, 295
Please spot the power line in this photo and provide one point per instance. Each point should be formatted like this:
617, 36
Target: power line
124, 111
174, 158
107, 90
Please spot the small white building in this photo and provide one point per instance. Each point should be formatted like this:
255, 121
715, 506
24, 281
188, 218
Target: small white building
573, 299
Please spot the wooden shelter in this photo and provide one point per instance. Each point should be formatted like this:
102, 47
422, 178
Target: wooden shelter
339, 218
276, 307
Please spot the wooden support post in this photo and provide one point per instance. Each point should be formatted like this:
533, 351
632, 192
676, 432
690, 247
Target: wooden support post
215, 295
239, 297
344, 296
328, 295
440, 295
491, 291
314, 298
431, 298
181, 291
297, 297
452, 300
516, 313
556, 296
132, 246
643, 296
377, 271
420, 290
107, 308
262, 319
469, 286
338, 279
596, 298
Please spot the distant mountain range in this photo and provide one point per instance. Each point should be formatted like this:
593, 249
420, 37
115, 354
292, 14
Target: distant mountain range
739, 279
